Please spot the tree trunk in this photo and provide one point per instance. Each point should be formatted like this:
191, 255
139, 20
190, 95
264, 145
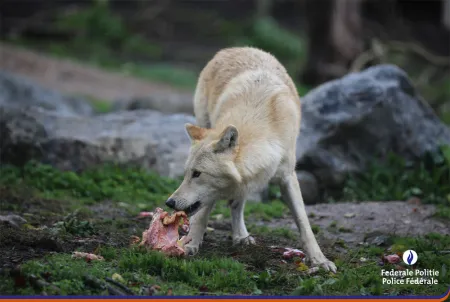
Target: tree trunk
335, 38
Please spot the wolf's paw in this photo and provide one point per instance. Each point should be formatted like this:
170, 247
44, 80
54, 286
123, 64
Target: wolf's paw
244, 240
324, 263
191, 249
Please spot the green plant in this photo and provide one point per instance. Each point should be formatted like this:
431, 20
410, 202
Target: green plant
398, 180
98, 27
73, 225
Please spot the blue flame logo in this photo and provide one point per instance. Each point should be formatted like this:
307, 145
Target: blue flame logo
410, 257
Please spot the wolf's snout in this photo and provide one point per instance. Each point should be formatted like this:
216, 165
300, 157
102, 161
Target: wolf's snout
170, 203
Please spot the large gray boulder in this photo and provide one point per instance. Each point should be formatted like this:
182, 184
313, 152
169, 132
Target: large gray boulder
145, 138
17, 92
361, 117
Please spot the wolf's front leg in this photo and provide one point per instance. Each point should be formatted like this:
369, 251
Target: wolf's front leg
290, 189
240, 233
197, 229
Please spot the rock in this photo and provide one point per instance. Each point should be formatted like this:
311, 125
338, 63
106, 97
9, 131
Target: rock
146, 138
361, 117
161, 101
18, 92
309, 187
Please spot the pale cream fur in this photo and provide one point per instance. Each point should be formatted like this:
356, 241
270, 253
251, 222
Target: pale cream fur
248, 115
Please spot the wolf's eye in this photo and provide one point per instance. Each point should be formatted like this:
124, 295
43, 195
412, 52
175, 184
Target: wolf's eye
196, 174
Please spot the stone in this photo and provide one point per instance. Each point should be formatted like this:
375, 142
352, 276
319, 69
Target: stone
362, 117
144, 138
19, 92
309, 187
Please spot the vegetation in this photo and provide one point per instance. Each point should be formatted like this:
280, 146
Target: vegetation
139, 189
69, 208
100, 37
396, 179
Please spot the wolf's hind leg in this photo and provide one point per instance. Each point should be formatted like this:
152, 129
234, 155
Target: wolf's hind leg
290, 189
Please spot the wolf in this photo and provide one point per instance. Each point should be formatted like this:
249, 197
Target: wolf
247, 112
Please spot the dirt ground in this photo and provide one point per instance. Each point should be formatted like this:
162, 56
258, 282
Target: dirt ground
71, 77
371, 221
352, 224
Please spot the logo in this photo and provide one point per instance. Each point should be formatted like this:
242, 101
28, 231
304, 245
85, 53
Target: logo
410, 257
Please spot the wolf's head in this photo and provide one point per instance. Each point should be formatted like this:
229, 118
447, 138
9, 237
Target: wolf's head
210, 170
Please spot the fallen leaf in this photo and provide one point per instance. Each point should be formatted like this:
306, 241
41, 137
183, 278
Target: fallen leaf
349, 215
134, 240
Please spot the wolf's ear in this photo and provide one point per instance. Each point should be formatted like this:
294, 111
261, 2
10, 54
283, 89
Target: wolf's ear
228, 139
195, 133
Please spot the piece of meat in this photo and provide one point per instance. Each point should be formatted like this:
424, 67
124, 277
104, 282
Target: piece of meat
162, 234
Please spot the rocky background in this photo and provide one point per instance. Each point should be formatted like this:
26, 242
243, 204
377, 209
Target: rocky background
368, 101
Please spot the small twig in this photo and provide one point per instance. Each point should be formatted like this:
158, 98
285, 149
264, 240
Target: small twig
362, 60
118, 284
418, 49
90, 280
41, 284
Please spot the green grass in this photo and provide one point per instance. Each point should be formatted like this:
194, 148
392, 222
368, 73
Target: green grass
273, 232
258, 210
218, 269
225, 275
136, 187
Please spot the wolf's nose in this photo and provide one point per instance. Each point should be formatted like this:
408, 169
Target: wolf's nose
170, 203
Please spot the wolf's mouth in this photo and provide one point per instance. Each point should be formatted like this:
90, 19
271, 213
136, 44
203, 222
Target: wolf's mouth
193, 208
